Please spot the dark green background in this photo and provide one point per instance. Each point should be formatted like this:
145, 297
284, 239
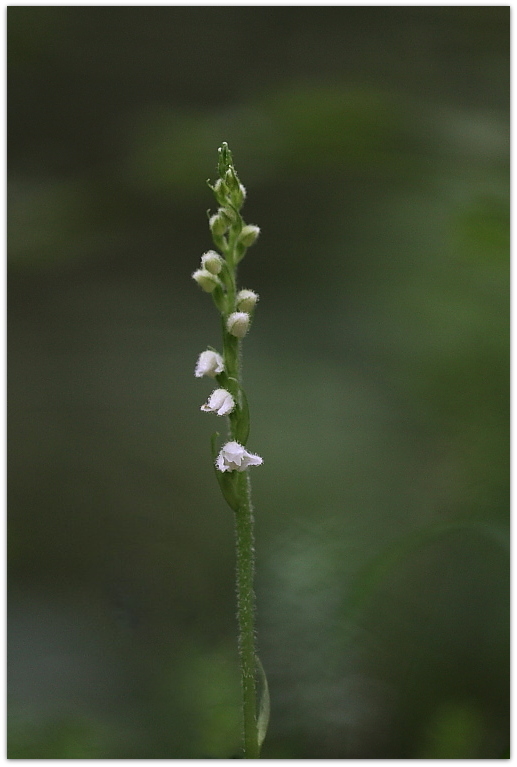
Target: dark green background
374, 145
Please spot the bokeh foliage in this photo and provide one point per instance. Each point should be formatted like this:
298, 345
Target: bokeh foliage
374, 145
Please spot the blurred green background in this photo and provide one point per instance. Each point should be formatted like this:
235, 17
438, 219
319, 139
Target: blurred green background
373, 142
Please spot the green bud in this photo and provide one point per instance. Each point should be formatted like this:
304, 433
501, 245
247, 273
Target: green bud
246, 300
248, 235
221, 191
212, 261
238, 324
229, 213
219, 223
206, 280
231, 179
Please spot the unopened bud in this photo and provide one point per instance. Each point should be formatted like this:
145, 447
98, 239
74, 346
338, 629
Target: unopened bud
230, 177
248, 235
238, 324
221, 191
212, 261
229, 213
206, 280
246, 300
218, 223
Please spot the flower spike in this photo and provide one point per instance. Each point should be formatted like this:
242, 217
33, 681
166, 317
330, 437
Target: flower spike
217, 275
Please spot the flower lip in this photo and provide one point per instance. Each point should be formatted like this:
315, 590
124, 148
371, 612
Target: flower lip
220, 402
209, 364
234, 457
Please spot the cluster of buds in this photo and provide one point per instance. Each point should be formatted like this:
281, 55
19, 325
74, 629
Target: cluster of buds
217, 276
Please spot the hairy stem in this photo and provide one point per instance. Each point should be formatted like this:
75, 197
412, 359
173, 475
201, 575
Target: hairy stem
245, 571
246, 615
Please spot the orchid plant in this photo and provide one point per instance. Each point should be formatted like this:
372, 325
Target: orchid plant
217, 275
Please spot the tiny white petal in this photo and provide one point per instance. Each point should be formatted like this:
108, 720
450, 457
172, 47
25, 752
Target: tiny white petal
219, 463
252, 459
209, 363
227, 406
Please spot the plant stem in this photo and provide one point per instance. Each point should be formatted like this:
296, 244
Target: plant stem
245, 571
246, 615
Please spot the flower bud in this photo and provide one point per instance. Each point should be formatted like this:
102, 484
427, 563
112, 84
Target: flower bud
246, 300
229, 213
212, 262
221, 191
231, 179
218, 223
206, 280
248, 235
238, 324
236, 190
220, 402
209, 364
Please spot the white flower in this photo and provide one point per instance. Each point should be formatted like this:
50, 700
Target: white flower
212, 261
220, 402
235, 457
209, 363
206, 280
246, 300
238, 324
